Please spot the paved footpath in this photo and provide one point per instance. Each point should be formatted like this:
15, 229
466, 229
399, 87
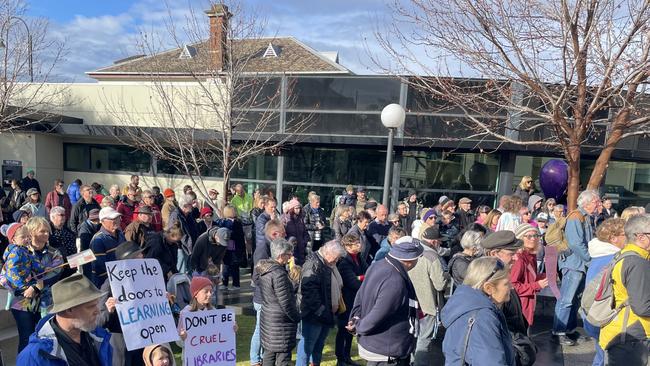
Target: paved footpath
241, 301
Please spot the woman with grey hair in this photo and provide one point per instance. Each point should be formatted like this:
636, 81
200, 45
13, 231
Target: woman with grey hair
61, 237
342, 223
279, 316
320, 288
477, 333
471, 244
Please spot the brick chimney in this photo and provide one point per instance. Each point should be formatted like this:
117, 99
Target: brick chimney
219, 17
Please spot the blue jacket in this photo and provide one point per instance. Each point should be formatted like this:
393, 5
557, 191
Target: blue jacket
103, 245
383, 306
578, 234
43, 348
489, 341
384, 248
74, 193
601, 254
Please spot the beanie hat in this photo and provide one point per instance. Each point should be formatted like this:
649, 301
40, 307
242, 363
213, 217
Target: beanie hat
522, 229
199, 283
168, 192
205, 211
11, 231
290, 205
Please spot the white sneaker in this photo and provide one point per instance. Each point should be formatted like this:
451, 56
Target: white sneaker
223, 288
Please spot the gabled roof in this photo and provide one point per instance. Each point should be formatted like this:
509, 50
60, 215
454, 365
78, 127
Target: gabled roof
294, 58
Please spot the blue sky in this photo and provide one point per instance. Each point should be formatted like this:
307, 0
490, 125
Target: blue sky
96, 33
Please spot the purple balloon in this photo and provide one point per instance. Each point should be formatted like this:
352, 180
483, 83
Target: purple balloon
554, 178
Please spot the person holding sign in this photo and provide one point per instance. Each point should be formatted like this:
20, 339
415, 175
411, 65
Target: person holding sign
280, 317
108, 317
201, 289
69, 336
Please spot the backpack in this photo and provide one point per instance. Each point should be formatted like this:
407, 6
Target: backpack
555, 235
598, 303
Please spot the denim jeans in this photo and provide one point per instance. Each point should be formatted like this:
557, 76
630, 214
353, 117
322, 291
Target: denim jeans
256, 342
566, 308
424, 345
26, 323
594, 332
181, 263
310, 347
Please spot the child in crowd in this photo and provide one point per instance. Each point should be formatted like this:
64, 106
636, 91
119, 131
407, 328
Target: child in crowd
158, 355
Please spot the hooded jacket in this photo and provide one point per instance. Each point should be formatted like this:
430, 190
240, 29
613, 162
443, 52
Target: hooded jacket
489, 342
531, 204
148, 352
383, 305
44, 349
601, 254
279, 317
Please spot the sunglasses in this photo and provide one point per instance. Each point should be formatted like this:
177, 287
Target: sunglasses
498, 266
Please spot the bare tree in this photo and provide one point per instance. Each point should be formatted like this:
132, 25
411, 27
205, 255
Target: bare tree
28, 59
222, 111
554, 73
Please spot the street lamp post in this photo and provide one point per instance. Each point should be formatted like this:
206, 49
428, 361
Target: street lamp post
30, 60
392, 117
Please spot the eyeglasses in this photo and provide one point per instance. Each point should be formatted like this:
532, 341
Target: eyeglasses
525, 213
498, 266
529, 182
532, 236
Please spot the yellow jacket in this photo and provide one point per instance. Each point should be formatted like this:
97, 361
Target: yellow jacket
631, 278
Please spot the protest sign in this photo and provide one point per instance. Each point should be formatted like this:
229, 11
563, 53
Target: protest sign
81, 258
210, 338
142, 305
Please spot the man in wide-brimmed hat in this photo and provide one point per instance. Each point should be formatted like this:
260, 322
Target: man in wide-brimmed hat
69, 335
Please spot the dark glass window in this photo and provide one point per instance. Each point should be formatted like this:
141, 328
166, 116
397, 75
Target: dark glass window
76, 157
255, 121
334, 165
337, 124
449, 171
257, 93
423, 126
350, 94
263, 167
84, 157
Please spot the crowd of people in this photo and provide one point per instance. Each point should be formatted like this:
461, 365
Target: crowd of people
398, 281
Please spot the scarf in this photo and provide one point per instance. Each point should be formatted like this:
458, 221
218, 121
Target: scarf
337, 285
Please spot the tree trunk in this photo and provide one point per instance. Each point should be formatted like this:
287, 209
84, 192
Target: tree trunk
596, 178
573, 188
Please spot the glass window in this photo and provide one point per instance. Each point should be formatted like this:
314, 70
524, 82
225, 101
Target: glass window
423, 126
449, 171
338, 124
263, 167
76, 157
257, 92
256, 121
90, 158
334, 165
349, 94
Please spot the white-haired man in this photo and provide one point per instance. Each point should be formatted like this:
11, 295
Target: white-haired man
573, 263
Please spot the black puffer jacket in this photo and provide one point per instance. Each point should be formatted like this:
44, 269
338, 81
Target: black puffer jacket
279, 318
315, 291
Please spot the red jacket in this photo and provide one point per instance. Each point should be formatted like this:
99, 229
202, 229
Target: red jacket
127, 214
524, 277
156, 220
52, 200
